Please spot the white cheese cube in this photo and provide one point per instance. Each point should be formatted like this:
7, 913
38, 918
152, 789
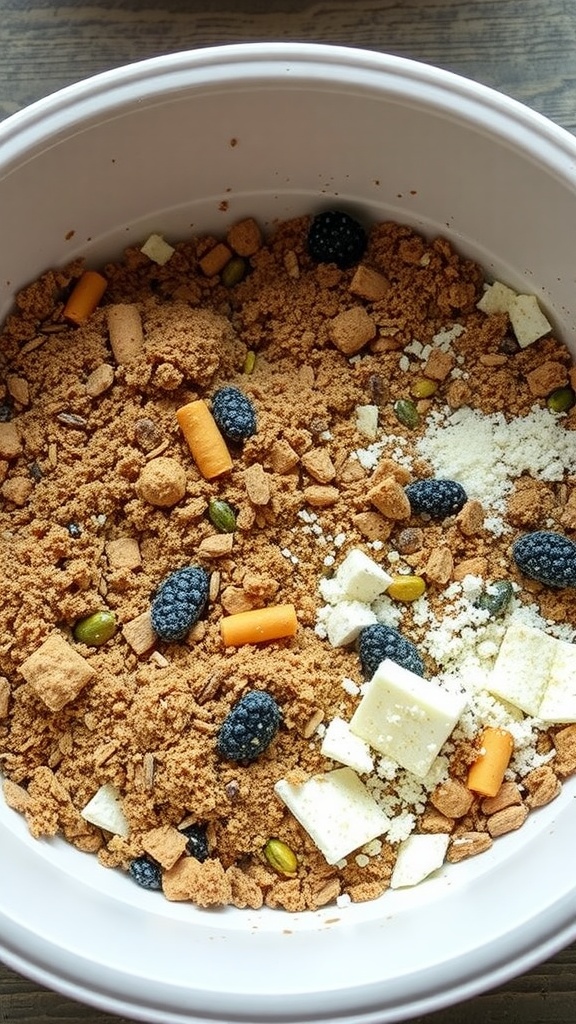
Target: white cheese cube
418, 857
336, 810
367, 421
344, 621
360, 578
497, 298
522, 667
528, 320
105, 811
340, 744
406, 717
157, 249
559, 699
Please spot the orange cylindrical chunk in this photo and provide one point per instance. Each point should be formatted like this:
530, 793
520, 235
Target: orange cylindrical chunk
85, 296
204, 439
487, 773
259, 625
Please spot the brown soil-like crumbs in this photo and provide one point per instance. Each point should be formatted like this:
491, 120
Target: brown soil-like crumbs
101, 499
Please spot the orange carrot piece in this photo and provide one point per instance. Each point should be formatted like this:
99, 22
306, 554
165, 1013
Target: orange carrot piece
259, 625
487, 773
204, 439
85, 296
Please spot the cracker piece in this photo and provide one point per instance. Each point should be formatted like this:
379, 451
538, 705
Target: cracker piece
351, 330
10, 443
123, 553
139, 634
56, 672
165, 844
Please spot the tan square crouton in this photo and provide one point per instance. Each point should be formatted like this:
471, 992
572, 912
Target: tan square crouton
56, 672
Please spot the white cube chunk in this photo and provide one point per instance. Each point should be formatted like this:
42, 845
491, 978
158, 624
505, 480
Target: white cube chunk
367, 421
360, 578
105, 811
340, 744
157, 249
336, 810
497, 298
418, 857
344, 621
559, 700
528, 320
522, 667
406, 717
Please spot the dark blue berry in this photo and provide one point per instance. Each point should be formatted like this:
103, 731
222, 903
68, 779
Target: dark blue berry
547, 557
197, 845
250, 727
146, 873
6, 412
436, 498
234, 413
335, 237
377, 642
179, 602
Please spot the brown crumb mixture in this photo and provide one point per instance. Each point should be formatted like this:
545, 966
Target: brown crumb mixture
101, 499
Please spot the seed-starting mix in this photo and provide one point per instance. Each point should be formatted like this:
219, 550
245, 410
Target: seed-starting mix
289, 578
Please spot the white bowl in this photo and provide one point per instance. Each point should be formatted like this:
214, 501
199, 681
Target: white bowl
274, 130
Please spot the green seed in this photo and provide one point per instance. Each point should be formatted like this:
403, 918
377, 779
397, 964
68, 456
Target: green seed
423, 387
222, 515
234, 271
249, 362
406, 413
96, 629
406, 588
561, 399
280, 857
497, 598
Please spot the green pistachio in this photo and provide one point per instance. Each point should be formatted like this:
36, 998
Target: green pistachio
222, 515
406, 413
234, 271
561, 399
96, 629
280, 857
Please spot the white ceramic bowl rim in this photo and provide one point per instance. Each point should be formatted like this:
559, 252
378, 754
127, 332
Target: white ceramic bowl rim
379, 962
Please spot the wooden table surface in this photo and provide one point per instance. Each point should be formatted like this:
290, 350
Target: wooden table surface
525, 48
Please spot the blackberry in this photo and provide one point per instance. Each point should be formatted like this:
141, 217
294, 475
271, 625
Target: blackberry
249, 728
436, 498
377, 642
197, 845
179, 602
547, 557
145, 873
234, 413
335, 237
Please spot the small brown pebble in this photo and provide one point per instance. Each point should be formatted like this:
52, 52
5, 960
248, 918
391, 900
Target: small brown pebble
319, 496
215, 260
10, 443
100, 380
410, 540
217, 545
56, 672
389, 497
351, 330
507, 820
369, 284
139, 634
440, 566
147, 434
546, 378
162, 482
319, 465
245, 238
468, 844
470, 519
438, 365
257, 483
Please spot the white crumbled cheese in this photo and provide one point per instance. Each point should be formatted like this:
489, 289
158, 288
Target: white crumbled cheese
343, 621
443, 339
340, 744
486, 453
104, 810
336, 810
367, 421
406, 717
404, 363
344, 900
528, 320
418, 857
157, 249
